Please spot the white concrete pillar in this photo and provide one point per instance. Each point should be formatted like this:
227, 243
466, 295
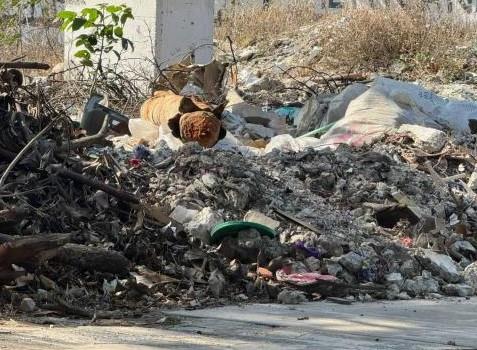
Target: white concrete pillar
163, 31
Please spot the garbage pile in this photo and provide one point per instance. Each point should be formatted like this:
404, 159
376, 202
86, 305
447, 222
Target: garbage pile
103, 227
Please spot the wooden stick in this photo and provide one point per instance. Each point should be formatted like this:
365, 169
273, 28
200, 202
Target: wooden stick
19, 156
24, 65
298, 221
72, 175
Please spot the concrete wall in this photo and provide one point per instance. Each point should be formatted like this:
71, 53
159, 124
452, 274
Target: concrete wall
184, 27
163, 32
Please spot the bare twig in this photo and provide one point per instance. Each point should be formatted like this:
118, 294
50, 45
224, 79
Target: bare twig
25, 150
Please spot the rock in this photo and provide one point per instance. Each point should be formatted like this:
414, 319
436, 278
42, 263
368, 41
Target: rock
460, 290
470, 275
421, 286
439, 264
217, 283
42, 294
242, 297
27, 305
367, 298
247, 54
464, 262
311, 115
392, 293
76, 292
434, 296
409, 268
182, 215
472, 183
429, 139
329, 247
291, 297
348, 277
351, 261
313, 263
202, 223
404, 296
210, 181
273, 289
332, 267
47, 283
259, 218
395, 278
464, 248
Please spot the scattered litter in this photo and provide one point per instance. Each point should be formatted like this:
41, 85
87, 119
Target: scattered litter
357, 195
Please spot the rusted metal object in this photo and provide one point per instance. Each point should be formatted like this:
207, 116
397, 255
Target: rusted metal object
188, 118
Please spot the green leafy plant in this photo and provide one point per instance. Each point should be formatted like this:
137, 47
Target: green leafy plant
101, 31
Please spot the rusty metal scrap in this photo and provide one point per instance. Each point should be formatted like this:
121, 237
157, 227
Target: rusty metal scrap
188, 118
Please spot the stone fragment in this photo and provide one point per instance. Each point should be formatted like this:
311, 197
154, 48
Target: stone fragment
428, 139
464, 248
421, 286
332, 267
291, 297
259, 218
351, 261
394, 277
202, 223
210, 181
439, 264
409, 268
392, 293
27, 305
404, 296
459, 290
329, 247
470, 275
217, 283
182, 215
313, 263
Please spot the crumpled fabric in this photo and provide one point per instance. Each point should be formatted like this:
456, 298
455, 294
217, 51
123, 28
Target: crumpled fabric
303, 278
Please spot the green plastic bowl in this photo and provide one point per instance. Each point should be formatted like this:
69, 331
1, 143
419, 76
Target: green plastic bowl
232, 228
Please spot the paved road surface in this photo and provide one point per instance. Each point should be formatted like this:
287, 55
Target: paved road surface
407, 325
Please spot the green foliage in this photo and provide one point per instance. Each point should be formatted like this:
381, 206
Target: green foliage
12, 16
101, 30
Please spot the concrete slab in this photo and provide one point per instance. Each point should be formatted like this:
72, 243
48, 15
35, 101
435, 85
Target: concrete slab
420, 324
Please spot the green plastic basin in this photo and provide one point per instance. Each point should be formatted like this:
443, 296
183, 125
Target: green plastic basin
232, 228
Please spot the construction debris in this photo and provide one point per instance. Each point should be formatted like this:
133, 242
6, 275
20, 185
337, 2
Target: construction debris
253, 213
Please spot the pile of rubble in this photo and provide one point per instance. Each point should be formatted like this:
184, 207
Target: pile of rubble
99, 227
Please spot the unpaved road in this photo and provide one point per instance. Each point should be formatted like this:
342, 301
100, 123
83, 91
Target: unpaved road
419, 324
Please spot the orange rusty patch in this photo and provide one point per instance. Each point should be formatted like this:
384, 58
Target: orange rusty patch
202, 127
265, 273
